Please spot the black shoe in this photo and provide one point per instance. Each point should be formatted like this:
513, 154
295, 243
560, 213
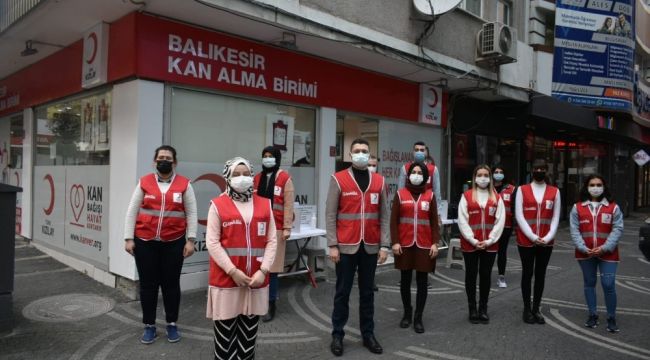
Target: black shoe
528, 317
371, 344
473, 315
611, 325
539, 318
592, 321
271, 313
406, 319
337, 346
483, 317
417, 323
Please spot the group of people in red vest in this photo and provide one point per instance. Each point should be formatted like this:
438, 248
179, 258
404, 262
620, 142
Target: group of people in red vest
249, 223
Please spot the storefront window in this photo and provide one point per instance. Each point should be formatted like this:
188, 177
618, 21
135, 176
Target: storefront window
74, 132
349, 128
12, 134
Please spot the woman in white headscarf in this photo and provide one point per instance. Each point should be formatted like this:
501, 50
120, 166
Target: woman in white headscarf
241, 242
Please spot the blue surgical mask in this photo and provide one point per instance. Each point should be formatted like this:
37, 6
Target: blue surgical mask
498, 177
419, 156
268, 162
360, 160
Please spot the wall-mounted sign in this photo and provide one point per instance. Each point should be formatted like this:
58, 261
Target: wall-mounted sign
433, 103
95, 56
641, 157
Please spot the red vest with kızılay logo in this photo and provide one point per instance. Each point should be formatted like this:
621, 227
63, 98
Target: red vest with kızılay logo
281, 178
244, 242
506, 195
358, 213
596, 229
481, 220
538, 215
162, 216
414, 219
432, 169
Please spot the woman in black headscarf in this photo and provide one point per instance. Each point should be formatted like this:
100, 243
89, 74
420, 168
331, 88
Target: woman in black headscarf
275, 184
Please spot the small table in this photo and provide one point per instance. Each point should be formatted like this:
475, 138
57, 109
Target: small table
446, 233
299, 266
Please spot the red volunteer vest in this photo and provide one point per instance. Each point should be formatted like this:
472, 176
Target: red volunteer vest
414, 225
507, 196
538, 216
481, 220
358, 212
281, 178
596, 229
431, 167
162, 216
244, 242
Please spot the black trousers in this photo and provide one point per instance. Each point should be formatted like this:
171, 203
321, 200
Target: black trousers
534, 261
235, 338
365, 264
405, 289
479, 262
502, 257
159, 266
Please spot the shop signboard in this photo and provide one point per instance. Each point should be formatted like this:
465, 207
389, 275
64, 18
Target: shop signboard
641, 157
593, 64
641, 99
95, 56
433, 105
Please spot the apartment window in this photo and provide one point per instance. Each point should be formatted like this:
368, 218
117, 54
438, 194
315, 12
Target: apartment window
504, 12
473, 6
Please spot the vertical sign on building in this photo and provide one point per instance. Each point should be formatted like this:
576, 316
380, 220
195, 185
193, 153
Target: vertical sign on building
432, 105
95, 56
593, 63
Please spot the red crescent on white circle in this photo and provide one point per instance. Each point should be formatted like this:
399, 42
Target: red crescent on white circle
92, 37
215, 179
435, 97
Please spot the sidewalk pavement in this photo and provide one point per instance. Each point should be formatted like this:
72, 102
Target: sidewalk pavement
63, 314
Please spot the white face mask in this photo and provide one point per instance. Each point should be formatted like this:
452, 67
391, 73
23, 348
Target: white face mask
372, 168
595, 191
360, 160
268, 162
416, 179
241, 183
498, 177
482, 182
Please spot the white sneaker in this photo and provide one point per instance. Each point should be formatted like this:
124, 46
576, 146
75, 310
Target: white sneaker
501, 281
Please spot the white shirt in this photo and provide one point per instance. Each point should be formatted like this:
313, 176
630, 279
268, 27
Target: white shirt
538, 192
463, 218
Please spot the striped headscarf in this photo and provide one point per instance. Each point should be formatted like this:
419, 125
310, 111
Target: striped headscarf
228, 169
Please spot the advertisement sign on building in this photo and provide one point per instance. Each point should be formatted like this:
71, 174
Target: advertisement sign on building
593, 63
432, 105
95, 56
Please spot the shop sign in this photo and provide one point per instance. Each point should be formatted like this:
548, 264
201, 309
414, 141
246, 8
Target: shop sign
432, 105
95, 56
593, 63
641, 98
641, 157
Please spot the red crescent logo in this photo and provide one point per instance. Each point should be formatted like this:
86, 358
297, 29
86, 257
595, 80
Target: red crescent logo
92, 37
49, 179
217, 180
435, 97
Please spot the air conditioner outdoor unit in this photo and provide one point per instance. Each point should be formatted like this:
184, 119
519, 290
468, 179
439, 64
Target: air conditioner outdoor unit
496, 44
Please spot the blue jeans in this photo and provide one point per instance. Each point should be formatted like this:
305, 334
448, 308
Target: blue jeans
365, 264
273, 287
607, 279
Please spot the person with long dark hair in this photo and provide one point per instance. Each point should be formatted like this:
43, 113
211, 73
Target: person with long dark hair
596, 227
414, 234
159, 231
507, 193
537, 210
275, 184
481, 217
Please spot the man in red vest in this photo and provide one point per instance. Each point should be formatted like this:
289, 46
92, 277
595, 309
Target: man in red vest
421, 155
537, 210
357, 227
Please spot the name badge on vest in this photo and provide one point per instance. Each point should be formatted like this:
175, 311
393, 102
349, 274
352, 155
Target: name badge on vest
549, 204
506, 197
425, 206
178, 197
261, 229
606, 218
277, 191
492, 210
374, 198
